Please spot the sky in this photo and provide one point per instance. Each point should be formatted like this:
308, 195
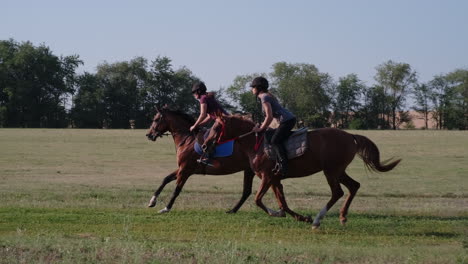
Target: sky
219, 40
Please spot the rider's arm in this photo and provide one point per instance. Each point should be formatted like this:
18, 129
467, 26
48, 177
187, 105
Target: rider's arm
268, 116
203, 115
206, 120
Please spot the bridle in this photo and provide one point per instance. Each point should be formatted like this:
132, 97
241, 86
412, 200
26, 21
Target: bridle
154, 132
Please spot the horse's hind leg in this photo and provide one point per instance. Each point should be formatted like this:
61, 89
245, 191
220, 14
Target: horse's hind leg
167, 179
248, 179
353, 187
337, 193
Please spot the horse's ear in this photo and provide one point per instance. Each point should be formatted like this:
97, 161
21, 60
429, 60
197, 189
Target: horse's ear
166, 107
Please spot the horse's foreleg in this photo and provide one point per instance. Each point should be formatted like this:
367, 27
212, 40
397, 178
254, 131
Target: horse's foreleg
353, 187
262, 189
279, 193
167, 179
337, 193
181, 180
248, 179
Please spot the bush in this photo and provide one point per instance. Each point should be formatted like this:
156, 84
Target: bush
357, 123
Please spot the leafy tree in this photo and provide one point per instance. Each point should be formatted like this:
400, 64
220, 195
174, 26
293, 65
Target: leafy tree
122, 83
441, 99
304, 90
88, 109
374, 109
170, 87
396, 79
422, 95
458, 80
346, 99
35, 85
241, 94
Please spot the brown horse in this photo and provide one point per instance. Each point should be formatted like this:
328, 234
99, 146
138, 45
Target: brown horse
329, 150
178, 124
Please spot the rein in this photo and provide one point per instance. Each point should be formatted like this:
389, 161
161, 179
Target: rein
235, 138
258, 140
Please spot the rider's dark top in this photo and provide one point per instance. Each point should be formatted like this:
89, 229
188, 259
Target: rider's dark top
213, 106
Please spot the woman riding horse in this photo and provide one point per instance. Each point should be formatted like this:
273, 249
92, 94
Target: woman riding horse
178, 124
272, 109
209, 109
329, 150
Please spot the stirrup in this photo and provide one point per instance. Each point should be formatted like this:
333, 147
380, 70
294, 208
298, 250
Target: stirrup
277, 168
205, 161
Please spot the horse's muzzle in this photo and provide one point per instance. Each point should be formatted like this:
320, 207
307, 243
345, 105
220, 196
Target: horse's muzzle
151, 137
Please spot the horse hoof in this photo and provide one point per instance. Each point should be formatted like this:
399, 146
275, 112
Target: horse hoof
163, 211
315, 227
343, 222
152, 202
281, 213
231, 212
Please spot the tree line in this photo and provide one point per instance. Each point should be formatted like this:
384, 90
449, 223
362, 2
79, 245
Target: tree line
41, 89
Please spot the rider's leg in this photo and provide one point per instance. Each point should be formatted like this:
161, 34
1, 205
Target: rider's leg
279, 138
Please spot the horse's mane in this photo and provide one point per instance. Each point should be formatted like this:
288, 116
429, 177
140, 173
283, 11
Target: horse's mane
185, 116
242, 117
244, 120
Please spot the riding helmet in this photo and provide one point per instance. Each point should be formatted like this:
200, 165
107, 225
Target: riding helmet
199, 88
261, 83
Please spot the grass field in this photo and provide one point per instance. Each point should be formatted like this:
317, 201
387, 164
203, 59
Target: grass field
79, 196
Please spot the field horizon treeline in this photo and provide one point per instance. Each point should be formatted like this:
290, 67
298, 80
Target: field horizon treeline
40, 89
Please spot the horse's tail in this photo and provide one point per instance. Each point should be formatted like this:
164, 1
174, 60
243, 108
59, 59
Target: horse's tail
369, 153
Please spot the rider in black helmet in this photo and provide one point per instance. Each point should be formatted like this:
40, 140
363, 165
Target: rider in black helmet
272, 109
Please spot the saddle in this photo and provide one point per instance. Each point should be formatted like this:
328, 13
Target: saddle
223, 150
296, 144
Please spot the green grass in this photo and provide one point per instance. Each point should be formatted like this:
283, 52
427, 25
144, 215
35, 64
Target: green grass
79, 196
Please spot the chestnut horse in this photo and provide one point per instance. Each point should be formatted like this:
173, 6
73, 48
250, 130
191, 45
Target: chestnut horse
178, 124
329, 150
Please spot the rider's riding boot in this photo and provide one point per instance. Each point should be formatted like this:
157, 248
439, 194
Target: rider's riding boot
206, 158
282, 160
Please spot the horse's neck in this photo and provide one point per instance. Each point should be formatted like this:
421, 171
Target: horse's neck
247, 142
241, 127
179, 134
180, 131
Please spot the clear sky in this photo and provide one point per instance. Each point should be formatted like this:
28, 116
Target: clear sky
219, 40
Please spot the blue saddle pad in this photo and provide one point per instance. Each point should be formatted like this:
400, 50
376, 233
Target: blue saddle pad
223, 150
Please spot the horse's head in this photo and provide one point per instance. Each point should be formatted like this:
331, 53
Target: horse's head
158, 127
